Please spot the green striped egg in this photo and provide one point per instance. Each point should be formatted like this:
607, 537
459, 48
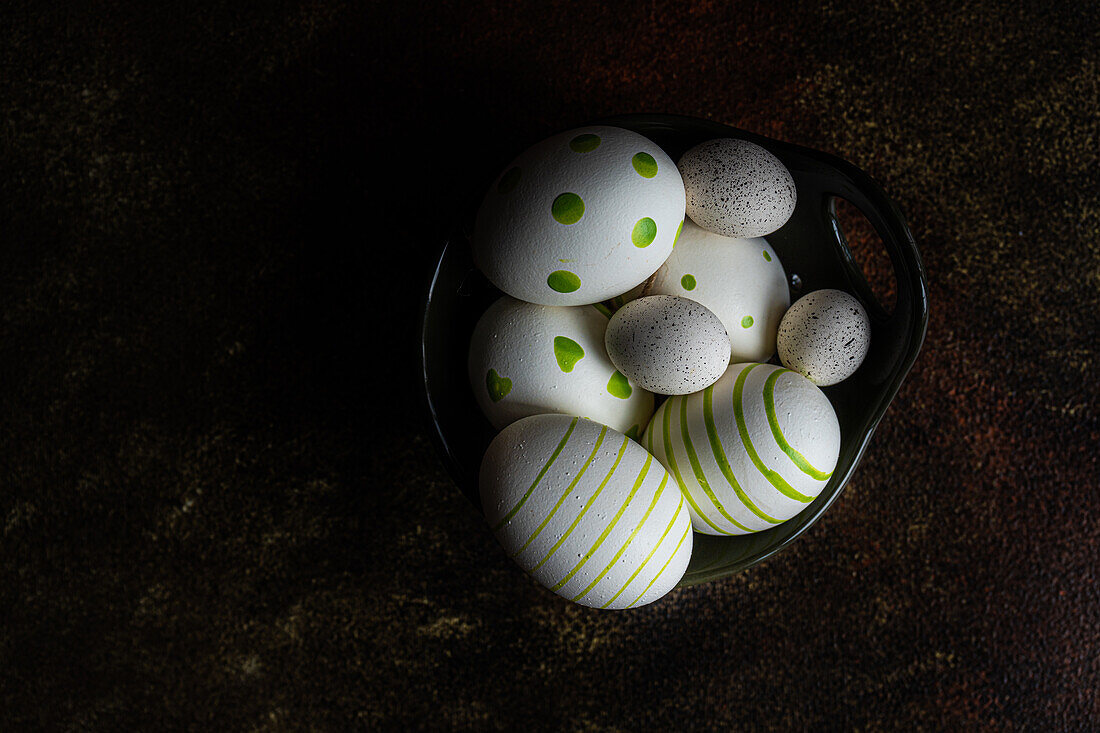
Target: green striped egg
586, 511
750, 451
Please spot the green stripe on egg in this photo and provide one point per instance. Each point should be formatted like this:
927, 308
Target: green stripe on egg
687, 531
617, 555
697, 468
546, 467
600, 523
669, 452
773, 423
606, 530
739, 415
649, 557
753, 477
584, 509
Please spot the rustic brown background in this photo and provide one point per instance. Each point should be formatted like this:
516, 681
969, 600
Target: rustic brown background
220, 509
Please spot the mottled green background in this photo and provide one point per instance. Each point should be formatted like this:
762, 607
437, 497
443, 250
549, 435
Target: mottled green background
220, 508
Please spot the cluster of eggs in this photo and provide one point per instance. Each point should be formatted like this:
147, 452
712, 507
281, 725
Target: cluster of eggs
627, 276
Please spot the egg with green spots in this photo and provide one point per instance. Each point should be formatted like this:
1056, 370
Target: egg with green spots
750, 451
747, 291
527, 359
580, 217
586, 511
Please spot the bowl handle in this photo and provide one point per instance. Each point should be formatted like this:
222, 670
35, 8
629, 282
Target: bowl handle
910, 316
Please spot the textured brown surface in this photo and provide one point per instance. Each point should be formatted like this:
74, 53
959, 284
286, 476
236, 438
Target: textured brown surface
215, 223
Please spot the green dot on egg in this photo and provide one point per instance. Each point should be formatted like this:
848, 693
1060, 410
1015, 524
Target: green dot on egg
508, 181
644, 232
767, 257
644, 164
568, 208
585, 143
746, 322
679, 229
497, 386
567, 352
619, 386
688, 282
563, 281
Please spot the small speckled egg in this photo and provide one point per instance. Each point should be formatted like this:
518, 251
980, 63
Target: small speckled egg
741, 280
737, 188
825, 336
527, 359
668, 344
587, 512
580, 217
750, 451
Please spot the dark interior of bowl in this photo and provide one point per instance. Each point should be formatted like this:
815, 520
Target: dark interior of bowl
815, 255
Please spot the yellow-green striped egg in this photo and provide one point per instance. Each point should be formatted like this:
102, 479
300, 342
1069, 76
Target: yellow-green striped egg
750, 451
580, 217
527, 359
586, 511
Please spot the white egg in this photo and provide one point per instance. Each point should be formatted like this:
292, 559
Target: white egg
741, 280
608, 307
668, 344
586, 511
737, 188
527, 359
825, 336
750, 451
580, 217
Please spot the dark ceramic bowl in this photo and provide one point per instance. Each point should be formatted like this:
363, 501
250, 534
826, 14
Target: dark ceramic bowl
815, 254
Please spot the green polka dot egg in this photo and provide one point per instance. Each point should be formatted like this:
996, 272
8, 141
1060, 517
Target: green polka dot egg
526, 359
750, 451
740, 280
586, 511
580, 217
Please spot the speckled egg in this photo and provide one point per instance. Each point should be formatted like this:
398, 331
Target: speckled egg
580, 217
825, 336
668, 344
585, 511
741, 280
737, 188
527, 359
750, 451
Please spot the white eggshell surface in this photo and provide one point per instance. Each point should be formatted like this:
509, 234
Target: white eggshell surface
580, 217
668, 344
586, 511
825, 336
737, 188
527, 359
740, 280
750, 451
